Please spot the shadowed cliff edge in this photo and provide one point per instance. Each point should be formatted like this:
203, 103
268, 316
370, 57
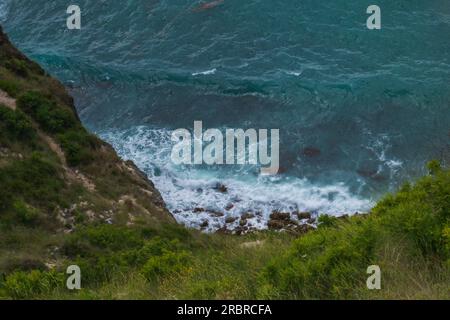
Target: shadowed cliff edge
42, 127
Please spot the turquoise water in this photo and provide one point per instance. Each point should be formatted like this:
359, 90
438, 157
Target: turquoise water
359, 111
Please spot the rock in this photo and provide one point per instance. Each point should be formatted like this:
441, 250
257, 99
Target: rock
247, 216
279, 220
240, 230
215, 213
204, 224
223, 230
304, 215
243, 222
311, 152
229, 206
275, 215
221, 188
282, 221
276, 224
198, 210
230, 219
311, 220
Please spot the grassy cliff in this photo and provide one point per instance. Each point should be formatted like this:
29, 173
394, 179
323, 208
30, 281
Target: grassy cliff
66, 198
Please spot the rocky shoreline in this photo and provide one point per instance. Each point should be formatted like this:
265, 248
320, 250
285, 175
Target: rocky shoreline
224, 222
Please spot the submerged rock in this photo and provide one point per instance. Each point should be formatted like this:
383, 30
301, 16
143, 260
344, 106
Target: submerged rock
217, 214
229, 206
311, 152
221, 188
230, 219
304, 215
247, 215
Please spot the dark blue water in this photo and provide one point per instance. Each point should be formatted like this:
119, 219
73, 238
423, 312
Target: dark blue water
359, 111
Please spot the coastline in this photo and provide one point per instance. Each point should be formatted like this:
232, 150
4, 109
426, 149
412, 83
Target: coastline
67, 199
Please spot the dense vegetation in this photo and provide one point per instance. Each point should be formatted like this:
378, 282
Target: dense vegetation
407, 235
66, 198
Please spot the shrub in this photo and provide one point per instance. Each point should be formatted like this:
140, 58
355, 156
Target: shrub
331, 261
23, 285
327, 221
77, 146
17, 66
52, 117
10, 87
25, 214
420, 212
154, 247
167, 263
102, 267
434, 167
35, 180
91, 240
16, 124
327, 263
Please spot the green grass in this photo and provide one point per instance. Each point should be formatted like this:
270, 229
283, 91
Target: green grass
407, 235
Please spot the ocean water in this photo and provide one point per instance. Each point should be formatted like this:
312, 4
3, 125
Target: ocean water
359, 111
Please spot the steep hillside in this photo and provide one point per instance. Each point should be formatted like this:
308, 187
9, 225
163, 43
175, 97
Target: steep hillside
53, 173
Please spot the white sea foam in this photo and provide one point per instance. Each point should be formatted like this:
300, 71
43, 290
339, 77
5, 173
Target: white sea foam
191, 194
294, 73
380, 145
205, 73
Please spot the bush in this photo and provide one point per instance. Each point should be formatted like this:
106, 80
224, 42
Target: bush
23, 285
75, 141
17, 66
106, 250
52, 117
25, 214
434, 167
331, 261
420, 212
102, 267
10, 87
77, 146
154, 247
166, 263
94, 239
327, 263
15, 124
35, 180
